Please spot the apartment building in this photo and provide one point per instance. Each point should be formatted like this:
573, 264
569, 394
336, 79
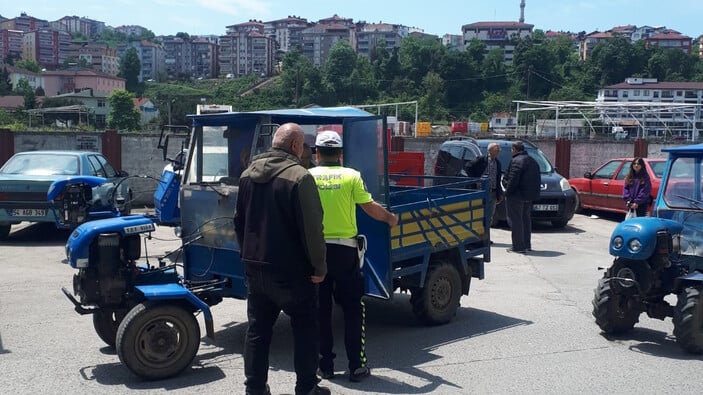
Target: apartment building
245, 49
670, 39
24, 23
74, 24
100, 57
684, 119
10, 43
369, 36
131, 30
151, 58
500, 35
287, 32
318, 40
192, 56
49, 48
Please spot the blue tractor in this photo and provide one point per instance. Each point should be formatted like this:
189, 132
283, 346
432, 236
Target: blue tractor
148, 312
658, 256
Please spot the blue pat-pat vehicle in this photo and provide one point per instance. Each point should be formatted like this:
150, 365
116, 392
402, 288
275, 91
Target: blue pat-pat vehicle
148, 312
660, 255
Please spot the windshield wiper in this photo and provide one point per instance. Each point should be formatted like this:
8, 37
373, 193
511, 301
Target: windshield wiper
696, 202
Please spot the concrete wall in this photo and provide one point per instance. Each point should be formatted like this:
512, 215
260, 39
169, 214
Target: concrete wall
140, 155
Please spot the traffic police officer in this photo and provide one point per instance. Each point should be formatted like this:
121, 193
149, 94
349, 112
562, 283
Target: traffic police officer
341, 189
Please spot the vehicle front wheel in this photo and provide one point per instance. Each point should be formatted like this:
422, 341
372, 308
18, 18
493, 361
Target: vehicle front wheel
106, 323
4, 231
158, 340
436, 303
615, 313
688, 319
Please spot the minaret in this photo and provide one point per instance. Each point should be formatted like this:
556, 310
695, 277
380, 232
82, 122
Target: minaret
522, 11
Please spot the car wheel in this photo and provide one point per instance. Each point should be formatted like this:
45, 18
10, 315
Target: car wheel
127, 208
4, 231
560, 224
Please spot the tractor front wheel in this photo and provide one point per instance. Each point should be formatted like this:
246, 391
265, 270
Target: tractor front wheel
106, 323
688, 319
158, 340
614, 312
436, 303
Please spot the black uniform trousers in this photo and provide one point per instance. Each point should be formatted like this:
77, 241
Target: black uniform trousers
345, 283
268, 293
520, 216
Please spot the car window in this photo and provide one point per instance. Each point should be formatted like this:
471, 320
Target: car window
544, 165
97, 169
658, 168
110, 171
680, 187
42, 165
622, 172
607, 171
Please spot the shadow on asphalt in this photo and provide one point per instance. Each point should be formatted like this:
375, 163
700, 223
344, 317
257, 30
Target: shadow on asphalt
655, 343
42, 234
396, 341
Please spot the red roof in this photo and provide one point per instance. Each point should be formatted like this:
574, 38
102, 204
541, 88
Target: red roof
670, 35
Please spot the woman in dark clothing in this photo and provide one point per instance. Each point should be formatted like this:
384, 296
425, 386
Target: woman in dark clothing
637, 188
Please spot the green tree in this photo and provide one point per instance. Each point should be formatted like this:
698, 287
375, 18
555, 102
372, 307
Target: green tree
122, 113
28, 65
338, 70
431, 104
30, 98
5, 83
130, 67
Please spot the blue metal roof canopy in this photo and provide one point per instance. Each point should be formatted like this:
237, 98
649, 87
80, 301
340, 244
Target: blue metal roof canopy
301, 116
685, 149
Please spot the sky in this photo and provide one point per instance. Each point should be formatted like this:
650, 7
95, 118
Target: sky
439, 17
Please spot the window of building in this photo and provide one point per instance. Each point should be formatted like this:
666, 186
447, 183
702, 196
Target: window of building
656, 94
679, 93
624, 93
646, 92
101, 103
636, 92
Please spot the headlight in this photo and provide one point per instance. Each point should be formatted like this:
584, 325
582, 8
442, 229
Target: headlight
564, 184
635, 245
178, 231
617, 242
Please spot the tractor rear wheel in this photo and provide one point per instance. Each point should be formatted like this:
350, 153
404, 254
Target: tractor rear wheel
613, 311
158, 340
436, 303
688, 319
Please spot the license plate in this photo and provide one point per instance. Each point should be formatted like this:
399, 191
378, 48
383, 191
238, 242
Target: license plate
545, 207
28, 212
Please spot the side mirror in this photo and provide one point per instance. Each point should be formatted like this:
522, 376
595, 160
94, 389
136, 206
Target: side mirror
122, 173
588, 175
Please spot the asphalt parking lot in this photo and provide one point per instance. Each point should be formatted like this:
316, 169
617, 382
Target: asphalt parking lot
526, 328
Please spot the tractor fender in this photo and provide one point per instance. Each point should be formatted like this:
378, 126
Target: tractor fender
693, 278
173, 292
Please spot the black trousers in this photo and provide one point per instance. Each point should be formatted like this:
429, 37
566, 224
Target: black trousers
345, 283
267, 294
520, 216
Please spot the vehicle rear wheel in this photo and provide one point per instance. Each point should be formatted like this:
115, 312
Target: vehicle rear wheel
158, 340
436, 303
615, 313
4, 231
106, 323
688, 319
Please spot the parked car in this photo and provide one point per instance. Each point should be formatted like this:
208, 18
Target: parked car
558, 200
602, 188
25, 179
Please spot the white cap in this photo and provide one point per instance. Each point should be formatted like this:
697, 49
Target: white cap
328, 138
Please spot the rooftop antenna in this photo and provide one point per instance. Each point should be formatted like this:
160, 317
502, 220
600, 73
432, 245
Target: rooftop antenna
522, 11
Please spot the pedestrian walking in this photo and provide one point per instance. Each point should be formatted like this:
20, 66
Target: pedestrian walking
278, 223
522, 183
341, 189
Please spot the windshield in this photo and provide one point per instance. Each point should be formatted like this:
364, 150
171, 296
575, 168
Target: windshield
214, 163
683, 187
42, 165
544, 165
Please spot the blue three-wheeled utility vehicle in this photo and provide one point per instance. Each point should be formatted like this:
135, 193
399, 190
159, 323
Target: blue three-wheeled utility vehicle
148, 312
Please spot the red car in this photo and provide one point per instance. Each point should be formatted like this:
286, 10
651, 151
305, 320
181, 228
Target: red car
602, 189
